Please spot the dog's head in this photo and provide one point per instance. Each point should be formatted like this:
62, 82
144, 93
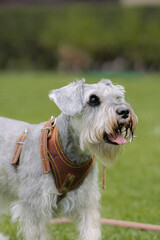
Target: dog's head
99, 115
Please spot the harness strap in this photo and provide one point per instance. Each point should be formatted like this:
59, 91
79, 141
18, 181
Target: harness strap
104, 178
19, 145
68, 176
45, 135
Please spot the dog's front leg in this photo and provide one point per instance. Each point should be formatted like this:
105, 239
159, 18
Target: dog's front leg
89, 223
32, 222
87, 211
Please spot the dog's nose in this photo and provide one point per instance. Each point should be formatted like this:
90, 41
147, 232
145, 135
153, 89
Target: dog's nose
123, 112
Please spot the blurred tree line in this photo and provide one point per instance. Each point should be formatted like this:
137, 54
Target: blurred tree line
80, 37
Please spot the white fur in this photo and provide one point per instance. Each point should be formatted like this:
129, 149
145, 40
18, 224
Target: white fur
34, 194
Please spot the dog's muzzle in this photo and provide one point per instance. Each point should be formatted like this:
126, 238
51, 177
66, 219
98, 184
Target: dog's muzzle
123, 128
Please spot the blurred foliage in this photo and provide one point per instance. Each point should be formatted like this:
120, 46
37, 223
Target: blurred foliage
34, 37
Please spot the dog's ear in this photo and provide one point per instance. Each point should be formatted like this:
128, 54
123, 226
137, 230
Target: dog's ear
69, 99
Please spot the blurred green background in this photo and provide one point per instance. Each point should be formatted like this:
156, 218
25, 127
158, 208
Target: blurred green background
47, 46
80, 36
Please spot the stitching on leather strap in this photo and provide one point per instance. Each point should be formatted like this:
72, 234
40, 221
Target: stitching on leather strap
45, 134
18, 149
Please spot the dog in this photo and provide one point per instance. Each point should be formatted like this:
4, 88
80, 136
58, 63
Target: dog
95, 122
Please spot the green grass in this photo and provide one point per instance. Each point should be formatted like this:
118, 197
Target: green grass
133, 189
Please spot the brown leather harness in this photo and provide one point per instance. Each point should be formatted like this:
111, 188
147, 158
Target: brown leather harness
68, 176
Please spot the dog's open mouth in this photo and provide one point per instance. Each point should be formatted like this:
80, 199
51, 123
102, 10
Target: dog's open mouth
115, 139
120, 135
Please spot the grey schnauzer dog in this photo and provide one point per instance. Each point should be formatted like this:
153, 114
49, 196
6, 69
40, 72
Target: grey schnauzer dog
95, 120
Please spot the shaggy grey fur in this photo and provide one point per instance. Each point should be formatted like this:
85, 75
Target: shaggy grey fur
82, 128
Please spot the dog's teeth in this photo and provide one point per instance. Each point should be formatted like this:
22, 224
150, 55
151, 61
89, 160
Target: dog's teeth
126, 134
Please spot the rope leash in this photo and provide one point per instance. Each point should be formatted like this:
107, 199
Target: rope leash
113, 222
118, 223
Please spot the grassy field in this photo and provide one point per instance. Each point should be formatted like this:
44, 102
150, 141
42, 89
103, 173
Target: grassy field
133, 183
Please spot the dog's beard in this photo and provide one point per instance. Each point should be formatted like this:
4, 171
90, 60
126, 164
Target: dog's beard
106, 153
94, 142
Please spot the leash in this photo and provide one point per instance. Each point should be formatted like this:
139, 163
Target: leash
104, 178
119, 223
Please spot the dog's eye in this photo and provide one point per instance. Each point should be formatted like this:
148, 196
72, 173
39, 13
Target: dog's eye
94, 100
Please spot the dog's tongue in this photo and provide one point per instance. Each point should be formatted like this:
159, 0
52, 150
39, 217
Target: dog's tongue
117, 138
